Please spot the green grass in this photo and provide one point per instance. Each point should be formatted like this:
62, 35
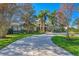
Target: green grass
70, 45
11, 38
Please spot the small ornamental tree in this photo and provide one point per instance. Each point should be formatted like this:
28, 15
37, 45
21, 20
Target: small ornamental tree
67, 10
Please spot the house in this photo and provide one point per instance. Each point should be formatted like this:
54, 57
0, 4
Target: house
40, 25
17, 26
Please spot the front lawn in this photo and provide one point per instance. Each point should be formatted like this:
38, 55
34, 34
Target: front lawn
70, 45
11, 38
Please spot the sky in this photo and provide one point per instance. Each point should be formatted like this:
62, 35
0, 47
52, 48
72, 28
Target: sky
45, 6
51, 7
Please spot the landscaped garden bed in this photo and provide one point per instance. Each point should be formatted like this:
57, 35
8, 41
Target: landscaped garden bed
70, 45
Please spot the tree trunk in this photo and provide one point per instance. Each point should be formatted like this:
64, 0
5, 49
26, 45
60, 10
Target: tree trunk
4, 30
43, 27
68, 35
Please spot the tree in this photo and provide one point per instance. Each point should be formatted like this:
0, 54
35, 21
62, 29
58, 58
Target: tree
53, 19
5, 17
27, 16
27, 23
67, 10
61, 20
42, 16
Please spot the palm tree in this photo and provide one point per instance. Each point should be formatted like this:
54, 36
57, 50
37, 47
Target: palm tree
42, 16
53, 19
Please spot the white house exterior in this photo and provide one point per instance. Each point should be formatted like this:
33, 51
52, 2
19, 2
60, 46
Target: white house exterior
17, 26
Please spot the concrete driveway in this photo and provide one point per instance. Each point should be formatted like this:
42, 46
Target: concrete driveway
37, 45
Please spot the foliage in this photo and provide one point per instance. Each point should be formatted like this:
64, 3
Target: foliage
28, 18
25, 13
42, 16
67, 10
7, 13
10, 31
53, 19
5, 17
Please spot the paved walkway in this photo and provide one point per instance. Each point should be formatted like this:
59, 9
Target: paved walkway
38, 45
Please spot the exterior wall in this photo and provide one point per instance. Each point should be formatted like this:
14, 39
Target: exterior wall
17, 27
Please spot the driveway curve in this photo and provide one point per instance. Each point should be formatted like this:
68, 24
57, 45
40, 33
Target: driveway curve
37, 45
